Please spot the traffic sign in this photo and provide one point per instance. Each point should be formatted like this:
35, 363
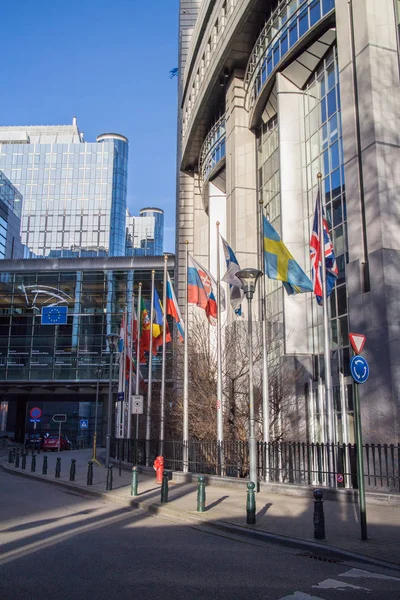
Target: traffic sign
137, 405
84, 423
357, 341
359, 369
59, 418
35, 412
340, 478
120, 396
35, 420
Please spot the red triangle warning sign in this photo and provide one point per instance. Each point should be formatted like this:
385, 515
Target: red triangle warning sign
357, 340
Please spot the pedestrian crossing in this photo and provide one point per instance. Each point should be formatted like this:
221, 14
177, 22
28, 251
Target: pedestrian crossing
358, 583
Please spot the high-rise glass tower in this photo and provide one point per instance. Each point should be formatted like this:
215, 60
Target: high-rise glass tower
10, 220
145, 233
74, 192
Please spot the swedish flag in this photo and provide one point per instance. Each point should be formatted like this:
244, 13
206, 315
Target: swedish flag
280, 264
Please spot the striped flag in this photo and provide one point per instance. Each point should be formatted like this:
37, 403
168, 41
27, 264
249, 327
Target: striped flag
316, 251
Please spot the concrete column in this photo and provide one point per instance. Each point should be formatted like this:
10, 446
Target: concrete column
373, 310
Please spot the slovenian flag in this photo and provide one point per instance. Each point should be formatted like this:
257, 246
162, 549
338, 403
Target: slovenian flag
202, 290
172, 309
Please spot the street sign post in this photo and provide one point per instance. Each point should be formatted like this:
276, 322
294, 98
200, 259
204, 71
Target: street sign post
59, 418
137, 405
359, 370
84, 424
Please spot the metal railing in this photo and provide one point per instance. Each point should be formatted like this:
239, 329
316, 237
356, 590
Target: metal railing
296, 463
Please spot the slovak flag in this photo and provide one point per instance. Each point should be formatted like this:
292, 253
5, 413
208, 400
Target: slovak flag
172, 309
202, 290
316, 256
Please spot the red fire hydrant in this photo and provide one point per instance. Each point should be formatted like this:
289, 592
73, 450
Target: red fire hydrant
158, 466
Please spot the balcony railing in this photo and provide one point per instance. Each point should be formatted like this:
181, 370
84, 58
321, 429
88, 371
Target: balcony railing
212, 150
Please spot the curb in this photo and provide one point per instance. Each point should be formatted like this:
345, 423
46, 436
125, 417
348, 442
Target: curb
195, 521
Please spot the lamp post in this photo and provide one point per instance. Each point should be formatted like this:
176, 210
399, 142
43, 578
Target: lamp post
249, 278
112, 339
94, 457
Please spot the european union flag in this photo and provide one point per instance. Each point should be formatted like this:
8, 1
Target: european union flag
280, 264
54, 315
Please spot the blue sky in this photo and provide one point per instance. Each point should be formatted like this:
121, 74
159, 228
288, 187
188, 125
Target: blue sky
108, 63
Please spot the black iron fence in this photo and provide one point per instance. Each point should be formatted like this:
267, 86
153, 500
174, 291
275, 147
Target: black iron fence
334, 465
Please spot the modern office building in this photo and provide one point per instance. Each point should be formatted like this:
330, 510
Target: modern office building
58, 368
145, 233
10, 220
74, 191
272, 92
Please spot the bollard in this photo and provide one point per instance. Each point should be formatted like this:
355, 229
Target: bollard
251, 504
319, 517
44, 468
164, 487
89, 479
23, 461
11, 455
120, 466
17, 458
33, 463
134, 485
109, 481
58, 468
201, 494
72, 470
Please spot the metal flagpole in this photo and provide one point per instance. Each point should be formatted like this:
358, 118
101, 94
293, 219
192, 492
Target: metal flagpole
164, 337
139, 316
327, 354
265, 379
185, 431
123, 403
149, 378
220, 413
129, 432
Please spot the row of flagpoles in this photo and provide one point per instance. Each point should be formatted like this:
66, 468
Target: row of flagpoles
148, 332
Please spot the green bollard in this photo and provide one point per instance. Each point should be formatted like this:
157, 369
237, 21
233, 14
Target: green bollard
23, 461
164, 487
109, 481
134, 486
89, 479
201, 494
33, 463
58, 468
72, 470
44, 468
17, 458
251, 504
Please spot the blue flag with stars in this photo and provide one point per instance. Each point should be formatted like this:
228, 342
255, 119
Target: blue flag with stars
54, 315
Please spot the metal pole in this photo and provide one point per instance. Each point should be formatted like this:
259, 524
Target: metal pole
327, 354
109, 409
149, 379
129, 417
164, 337
265, 379
220, 413
94, 451
252, 435
185, 465
360, 465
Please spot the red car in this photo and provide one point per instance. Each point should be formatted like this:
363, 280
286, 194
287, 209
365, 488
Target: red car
51, 443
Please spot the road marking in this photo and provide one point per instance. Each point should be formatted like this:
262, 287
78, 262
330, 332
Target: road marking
300, 596
334, 584
367, 574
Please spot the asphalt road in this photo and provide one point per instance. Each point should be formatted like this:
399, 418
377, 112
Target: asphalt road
59, 545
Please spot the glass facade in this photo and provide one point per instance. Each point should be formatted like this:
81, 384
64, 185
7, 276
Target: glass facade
213, 149
30, 351
10, 220
145, 234
74, 193
324, 153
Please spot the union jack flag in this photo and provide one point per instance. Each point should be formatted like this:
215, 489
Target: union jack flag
315, 255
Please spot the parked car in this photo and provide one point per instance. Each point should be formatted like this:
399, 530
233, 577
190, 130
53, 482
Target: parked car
34, 440
51, 443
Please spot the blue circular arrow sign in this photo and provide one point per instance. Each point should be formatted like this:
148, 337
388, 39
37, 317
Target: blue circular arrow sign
359, 369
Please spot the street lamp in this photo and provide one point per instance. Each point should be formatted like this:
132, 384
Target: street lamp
112, 339
94, 457
249, 278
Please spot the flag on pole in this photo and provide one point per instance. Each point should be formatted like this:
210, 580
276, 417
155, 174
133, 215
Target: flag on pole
158, 324
172, 309
144, 331
235, 285
202, 290
279, 263
316, 251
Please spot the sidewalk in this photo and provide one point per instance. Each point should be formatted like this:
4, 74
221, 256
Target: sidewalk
290, 518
